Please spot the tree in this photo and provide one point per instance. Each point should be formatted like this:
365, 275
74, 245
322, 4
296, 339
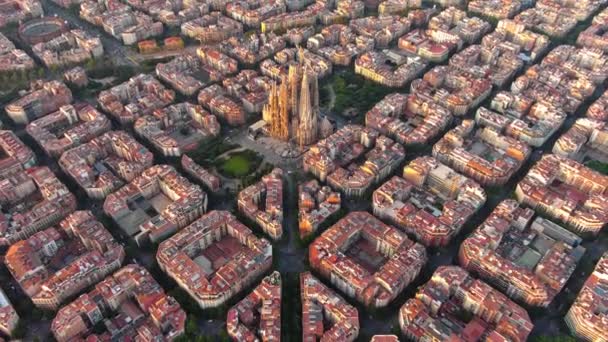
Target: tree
91, 63
182, 338
562, 338
191, 325
224, 336
396, 330
598, 166
339, 84
37, 314
54, 68
19, 331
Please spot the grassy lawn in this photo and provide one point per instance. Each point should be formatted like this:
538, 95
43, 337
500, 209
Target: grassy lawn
239, 164
236, 165
244, 164
208, 150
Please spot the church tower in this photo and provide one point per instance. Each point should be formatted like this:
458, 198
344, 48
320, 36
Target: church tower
276, 111
308, 109
272, 106
283, 115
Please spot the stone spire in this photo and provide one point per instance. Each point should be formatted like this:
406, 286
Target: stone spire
294, 79
276, 111
283, 117
308, 109
272, 106
326, 128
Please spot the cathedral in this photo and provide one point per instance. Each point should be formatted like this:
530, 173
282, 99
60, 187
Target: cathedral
292, 110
